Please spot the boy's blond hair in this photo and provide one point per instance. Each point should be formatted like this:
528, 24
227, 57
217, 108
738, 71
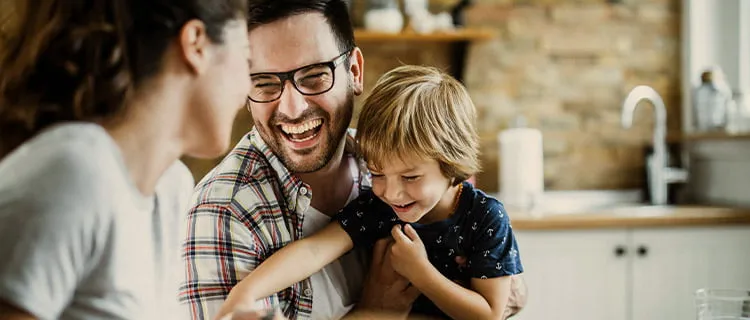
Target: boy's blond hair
424, 112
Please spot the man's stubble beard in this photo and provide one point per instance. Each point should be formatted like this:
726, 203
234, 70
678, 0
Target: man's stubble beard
325, 151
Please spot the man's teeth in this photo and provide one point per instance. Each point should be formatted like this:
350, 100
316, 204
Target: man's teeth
309, 125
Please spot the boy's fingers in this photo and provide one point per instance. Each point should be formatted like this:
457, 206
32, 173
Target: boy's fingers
398, 235
409, 230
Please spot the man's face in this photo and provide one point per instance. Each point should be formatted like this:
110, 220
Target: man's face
304, 131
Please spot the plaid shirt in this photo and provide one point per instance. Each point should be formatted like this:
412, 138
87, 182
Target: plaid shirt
244, 210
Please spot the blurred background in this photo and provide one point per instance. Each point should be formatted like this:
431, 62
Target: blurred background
612, 222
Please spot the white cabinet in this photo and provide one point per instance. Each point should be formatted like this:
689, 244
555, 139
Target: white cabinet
675, 262
574, 275
629, 274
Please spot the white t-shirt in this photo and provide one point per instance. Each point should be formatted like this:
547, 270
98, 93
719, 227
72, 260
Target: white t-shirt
334, 290
78, 240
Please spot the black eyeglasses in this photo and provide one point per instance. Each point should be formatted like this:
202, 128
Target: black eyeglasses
309, 80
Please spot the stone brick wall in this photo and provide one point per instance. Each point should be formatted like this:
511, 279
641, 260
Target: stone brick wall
566, 66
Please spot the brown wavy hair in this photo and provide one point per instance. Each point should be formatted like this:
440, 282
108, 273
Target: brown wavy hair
78, 60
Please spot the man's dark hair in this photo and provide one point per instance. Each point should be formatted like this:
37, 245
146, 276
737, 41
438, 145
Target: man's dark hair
336, 13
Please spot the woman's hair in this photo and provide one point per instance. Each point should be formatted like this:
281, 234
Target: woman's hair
423, 112
78, 60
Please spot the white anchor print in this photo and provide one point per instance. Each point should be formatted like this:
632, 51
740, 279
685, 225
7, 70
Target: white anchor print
439, 239
486, 252
483, 277
460, 238
484, 200
501, 213
362, 229
513, 253
455, 228
450, 252
490, 231
380, 225
498, 266
474, 227
359, 214
394, 219
345, 222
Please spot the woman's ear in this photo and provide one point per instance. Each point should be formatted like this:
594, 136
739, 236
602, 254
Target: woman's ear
194, 44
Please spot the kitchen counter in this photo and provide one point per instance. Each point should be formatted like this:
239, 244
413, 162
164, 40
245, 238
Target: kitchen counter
629, 217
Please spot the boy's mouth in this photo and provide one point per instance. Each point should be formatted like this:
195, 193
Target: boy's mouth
403, 208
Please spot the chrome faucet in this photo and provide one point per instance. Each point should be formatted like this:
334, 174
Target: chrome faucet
658, 172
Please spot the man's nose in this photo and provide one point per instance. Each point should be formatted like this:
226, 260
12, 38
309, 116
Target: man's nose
292, 103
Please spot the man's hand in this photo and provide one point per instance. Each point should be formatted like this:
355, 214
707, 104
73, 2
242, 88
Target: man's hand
518, 296
385, 290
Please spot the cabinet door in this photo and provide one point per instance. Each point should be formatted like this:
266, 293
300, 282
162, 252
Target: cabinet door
673, 263
574, 274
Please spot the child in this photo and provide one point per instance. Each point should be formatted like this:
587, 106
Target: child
416, 133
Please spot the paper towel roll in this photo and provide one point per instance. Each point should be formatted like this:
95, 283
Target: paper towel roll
521, 167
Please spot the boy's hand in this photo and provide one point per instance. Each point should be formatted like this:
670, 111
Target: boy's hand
409, 256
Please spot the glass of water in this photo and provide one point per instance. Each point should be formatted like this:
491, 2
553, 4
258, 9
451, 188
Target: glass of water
722, 304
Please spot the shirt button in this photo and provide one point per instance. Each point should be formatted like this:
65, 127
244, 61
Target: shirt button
308, 292
303, 191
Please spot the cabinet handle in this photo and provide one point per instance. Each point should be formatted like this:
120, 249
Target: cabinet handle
620, 251
642, 251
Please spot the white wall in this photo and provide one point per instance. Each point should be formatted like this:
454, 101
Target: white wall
715, 32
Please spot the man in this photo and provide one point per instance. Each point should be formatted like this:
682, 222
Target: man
288, 176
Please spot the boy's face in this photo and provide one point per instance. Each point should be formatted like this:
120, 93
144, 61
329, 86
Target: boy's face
415, 188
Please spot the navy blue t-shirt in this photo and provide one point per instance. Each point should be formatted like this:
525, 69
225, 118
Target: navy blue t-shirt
479, 230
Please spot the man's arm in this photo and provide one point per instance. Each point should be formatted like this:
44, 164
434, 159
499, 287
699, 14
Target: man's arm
218, 251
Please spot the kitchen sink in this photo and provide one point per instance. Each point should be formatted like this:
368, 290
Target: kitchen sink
584, 201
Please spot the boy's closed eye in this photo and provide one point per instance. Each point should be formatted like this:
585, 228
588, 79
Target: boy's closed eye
411, 178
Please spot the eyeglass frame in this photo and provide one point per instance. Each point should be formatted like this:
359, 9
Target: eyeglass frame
289, 75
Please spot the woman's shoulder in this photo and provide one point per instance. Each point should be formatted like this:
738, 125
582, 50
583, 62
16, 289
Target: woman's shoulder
71, 166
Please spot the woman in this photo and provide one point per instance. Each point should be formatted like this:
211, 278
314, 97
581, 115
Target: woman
98, 101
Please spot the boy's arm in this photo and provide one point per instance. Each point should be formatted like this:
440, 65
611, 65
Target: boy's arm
487, 302
291, 264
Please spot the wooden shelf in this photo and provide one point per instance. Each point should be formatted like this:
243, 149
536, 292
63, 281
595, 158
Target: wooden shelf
466, 34
716, 136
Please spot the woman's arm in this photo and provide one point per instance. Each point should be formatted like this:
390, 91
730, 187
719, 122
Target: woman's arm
410, 259
292, 264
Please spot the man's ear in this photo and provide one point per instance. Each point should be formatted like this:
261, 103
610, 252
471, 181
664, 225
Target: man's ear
357, 69
194, 46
